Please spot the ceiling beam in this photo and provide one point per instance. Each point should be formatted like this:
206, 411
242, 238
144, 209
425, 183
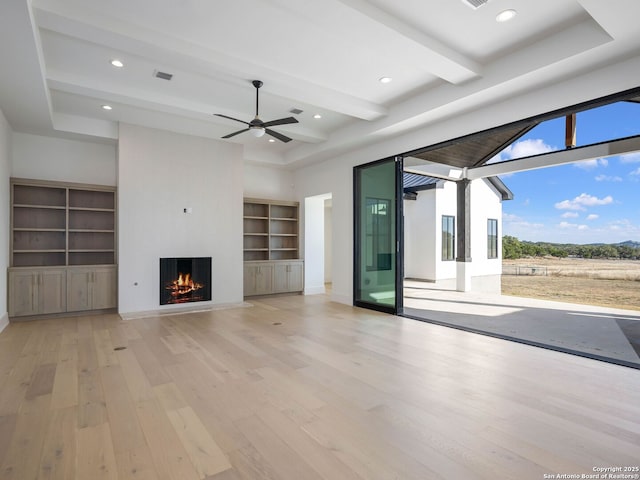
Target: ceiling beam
107, 91
202, 60
589, 152
23, 90
429, 169
443, 61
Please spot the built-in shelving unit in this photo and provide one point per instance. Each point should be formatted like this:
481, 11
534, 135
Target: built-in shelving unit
56, 224
271, 248
270, 230
59, 225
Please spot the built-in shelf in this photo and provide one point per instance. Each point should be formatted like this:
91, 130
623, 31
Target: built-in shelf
271, 255
270, 230
58, 224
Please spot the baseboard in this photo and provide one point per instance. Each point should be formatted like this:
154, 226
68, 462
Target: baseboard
182, 310
347, 300
4, 321
319, 290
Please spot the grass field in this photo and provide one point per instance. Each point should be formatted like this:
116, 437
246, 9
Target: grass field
611, 283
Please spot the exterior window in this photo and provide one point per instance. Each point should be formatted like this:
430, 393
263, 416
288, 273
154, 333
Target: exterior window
492, 238
448, 237
378, 234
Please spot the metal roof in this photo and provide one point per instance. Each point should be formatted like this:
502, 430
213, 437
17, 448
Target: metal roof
413, 183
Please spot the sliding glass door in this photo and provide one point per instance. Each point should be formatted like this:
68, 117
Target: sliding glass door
378, 235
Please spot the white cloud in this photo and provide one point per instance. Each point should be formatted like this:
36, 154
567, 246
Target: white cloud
523, 148
593, 216
583, 200
570, 215
572, 225
608, 178
635, 172
509, 217
591, 164
630, 158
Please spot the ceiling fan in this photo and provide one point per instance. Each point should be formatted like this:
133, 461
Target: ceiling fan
256, 126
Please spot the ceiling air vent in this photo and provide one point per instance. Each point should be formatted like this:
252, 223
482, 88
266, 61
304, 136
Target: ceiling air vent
163, 75
475, 4
297, 111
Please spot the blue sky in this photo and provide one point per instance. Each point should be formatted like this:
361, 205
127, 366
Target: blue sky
588, 202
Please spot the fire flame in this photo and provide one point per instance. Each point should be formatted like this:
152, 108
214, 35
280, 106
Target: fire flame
183, 285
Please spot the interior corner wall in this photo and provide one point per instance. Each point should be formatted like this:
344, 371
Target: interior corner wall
48, 158
5, 194
159, 175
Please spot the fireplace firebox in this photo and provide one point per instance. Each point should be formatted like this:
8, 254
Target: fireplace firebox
184, 280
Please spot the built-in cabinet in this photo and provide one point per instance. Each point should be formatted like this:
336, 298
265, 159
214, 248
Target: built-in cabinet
71, 227
91, 288
288, 276
37, 291
258, 278
271, 248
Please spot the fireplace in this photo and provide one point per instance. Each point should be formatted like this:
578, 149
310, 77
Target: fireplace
184, 280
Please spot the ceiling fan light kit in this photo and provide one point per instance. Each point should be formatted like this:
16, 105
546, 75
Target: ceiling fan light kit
257, 127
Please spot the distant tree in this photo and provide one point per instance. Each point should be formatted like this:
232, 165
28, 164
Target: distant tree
511, 247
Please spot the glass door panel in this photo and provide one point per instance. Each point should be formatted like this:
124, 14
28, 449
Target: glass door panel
377, 275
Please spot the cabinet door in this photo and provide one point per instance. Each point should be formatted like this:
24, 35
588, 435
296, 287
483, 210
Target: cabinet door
264, 279
103, 289
258, 279
23, 293
296, 277
288, 277
281, 278
52, 291
250, 280
78, 289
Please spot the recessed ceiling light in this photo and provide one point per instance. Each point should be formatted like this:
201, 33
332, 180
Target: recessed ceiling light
385, 79
117, 63
317, 115
107, 107
506, 15
271, 140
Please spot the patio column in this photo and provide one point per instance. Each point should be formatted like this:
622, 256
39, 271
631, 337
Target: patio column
463, 236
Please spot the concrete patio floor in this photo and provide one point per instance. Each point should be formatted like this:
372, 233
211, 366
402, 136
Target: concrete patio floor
608, 334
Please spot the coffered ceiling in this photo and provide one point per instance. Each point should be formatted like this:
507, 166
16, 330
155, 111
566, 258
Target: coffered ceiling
325, 58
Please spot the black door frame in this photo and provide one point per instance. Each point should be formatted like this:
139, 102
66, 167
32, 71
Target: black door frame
399, 236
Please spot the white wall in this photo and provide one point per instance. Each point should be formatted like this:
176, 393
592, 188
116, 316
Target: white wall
5, 173
420, 231
159, 174
423, 231
335, 176
48, 158
486, 203
268, 182
314, 244
328, 240
446, 204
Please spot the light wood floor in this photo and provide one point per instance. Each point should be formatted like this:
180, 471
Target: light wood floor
298, 388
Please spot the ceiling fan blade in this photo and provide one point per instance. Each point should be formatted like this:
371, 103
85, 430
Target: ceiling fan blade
277, 135
281, 121
236, 133
231, 118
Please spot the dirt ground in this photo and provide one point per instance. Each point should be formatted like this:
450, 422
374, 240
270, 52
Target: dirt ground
610, 283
